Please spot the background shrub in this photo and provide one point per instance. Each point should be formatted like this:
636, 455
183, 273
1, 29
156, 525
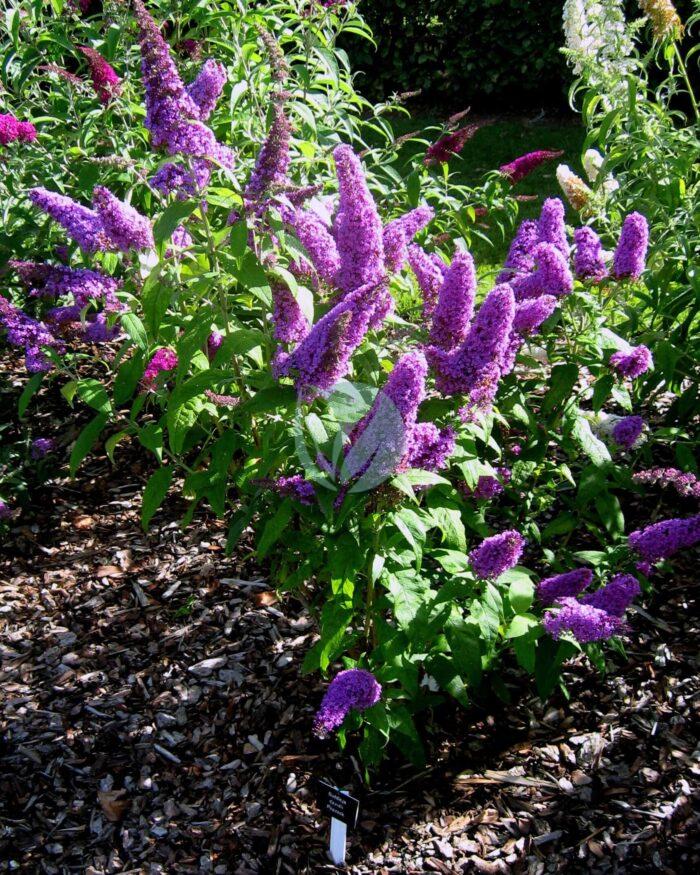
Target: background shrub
492, 54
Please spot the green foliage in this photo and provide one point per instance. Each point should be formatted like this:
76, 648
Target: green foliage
385, 570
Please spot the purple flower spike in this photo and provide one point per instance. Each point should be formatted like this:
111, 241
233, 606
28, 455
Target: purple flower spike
455, 305
125, 227
631, 252
273, 158
627, 431
400, 232
104, 80
521, 253
323, 356
632, 364
290, 323
42, 447
315, 237
661, 540
551, 225
567, 585
429, 447
81, 223
529, 315
497, 554
552, 276
214, 341
295, 487
172, 116
616, 596
98, 331
525, 164
685, 483
585, 622
357, 227
430, 273
351, 689
5, 510
589, 263
207, 87
184, 182
162, 361
474, 367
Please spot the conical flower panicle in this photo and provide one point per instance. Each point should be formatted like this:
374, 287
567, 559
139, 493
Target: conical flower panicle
455, 305
357, 227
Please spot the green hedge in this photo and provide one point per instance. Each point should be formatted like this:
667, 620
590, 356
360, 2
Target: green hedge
472, 48
491, 54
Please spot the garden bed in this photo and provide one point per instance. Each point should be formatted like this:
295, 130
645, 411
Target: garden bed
155, 719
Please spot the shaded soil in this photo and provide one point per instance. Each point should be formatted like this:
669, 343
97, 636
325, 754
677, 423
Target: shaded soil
154, 719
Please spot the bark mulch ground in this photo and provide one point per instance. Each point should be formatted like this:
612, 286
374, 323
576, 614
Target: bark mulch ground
154, 719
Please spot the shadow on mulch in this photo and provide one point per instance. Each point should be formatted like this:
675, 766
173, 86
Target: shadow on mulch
154, 720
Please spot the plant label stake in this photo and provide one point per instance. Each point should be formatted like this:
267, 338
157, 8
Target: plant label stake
342, 810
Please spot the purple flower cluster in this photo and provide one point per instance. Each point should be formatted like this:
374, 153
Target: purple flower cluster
632, 364
631, 252
474, 368
450, 144
11, 130
552, 276
214, 342
525, 164
181, 180
273, 159
112, 224
567, 585
42, 447
429, 447
585, 622
520, 258
323, 356
616, 596
399, 232
661, 540
497, 554
551, 225
162, 361
318, 241
97, 329
429, 270
206, 89
104, 80
5, 510
173, 116
290, 323
295, 487
530, 314
589, 262
357, 227
685, 483
24, 331
627, 431
52, 281
488, 486
455, 305
125, 227
351, 689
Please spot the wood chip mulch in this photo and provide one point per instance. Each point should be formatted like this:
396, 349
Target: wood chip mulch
154, 720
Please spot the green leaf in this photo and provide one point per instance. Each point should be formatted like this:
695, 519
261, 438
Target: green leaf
111, 443
336, 616
592, 446
610, 513
561, 382
135, 329
521, 592
520, 625
154, 493
29, 391
274, 528
85, 441
548, 661
173, 216
93, 393
463, 639
69, 389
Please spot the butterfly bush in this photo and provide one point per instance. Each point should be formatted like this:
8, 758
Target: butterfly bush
310, 346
